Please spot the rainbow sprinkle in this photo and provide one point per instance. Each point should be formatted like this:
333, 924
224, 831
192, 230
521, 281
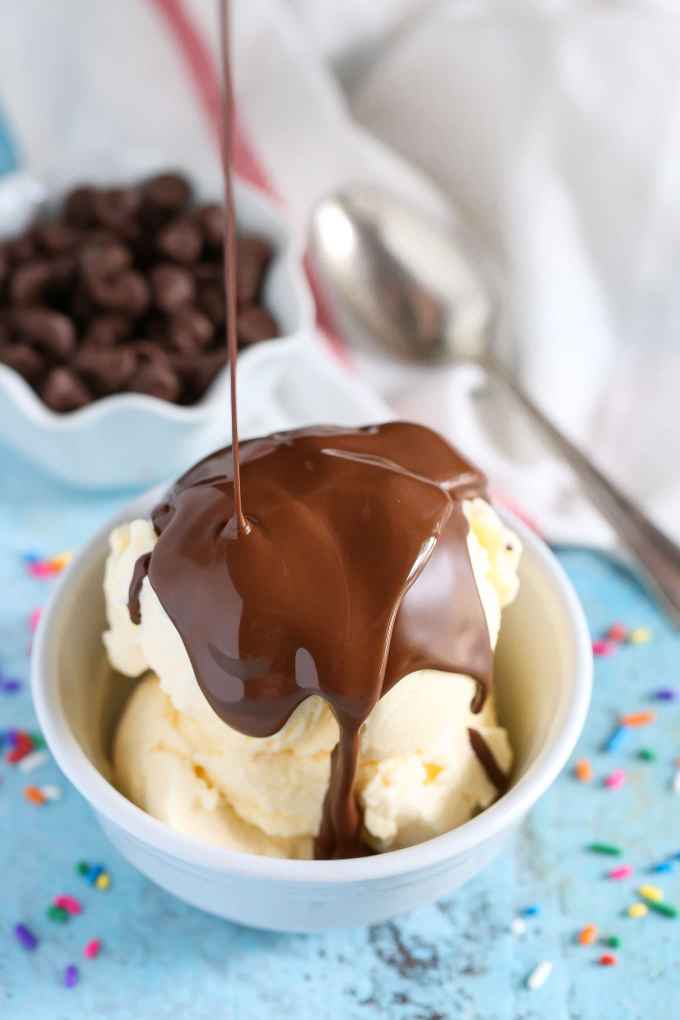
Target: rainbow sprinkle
26, 937
615, 780
92, 949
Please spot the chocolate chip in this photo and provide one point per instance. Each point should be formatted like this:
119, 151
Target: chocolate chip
25, 360
255, 323
209, 272
79, 206
169, 192
116, 209
62, 275
253, 256
190, 330
128, 292
211, 221
105, 258
106, 369
63, 391
156, 380
30, 281
198, 373
210, 299
181, 240
50, 331
172, 287
56, 238
149, 352
107, 331
21, 248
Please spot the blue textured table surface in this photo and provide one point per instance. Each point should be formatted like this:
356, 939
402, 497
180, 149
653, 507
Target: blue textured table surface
455, 959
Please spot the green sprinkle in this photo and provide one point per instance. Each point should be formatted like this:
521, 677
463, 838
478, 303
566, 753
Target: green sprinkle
605, 848
614, 941
37, 740
82, 868
662, 908
646, 754
57, 914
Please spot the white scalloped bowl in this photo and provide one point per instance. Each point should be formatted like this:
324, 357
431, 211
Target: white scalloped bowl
132, 439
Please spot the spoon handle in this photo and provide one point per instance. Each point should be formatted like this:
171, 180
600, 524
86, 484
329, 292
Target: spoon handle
658, 554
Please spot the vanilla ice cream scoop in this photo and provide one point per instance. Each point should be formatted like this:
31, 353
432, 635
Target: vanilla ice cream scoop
418, 774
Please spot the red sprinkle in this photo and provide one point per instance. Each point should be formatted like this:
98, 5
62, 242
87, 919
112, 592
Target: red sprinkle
23, 745
608, 960
602, 647
617, 632
69, 903
92, 949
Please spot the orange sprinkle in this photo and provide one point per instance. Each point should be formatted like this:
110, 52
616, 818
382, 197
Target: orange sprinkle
583, 771
34, 795
638, 719
588, 935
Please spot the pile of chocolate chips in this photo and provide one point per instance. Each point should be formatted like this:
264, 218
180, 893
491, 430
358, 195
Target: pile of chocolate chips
122, 292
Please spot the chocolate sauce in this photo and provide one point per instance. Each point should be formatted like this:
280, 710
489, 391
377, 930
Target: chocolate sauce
487, 759
348, 569
230, 250
355, 573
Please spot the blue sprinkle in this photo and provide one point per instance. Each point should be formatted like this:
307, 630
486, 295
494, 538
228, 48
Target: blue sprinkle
32, 557
615, 739
94, 873
664, 866
531, 911
665, 694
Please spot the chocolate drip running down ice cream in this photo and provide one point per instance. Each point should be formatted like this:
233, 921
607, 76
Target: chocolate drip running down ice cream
355, 573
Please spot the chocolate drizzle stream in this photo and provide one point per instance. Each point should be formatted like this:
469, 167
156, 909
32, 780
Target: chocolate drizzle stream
348, 571
355, 573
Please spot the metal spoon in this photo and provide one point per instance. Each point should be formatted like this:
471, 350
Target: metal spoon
420, 290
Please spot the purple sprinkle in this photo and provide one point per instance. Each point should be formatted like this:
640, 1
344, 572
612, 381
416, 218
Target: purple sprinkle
9, 685
665, 694
25, 936
11, 736
71, 976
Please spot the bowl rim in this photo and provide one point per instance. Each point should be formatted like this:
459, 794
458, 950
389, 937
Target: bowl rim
289, 246
433, 853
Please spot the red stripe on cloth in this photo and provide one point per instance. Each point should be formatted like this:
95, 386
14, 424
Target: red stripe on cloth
206, 81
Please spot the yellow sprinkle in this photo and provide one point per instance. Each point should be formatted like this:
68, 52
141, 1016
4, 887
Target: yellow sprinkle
637, 910
651, 892
103, 881
640, 636
61, 561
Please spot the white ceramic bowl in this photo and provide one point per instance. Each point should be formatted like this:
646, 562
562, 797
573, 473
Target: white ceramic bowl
544, 673
132, 439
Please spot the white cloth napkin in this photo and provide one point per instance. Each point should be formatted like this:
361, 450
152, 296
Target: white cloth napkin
552, 127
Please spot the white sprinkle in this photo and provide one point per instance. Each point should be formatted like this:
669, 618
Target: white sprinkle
518, 927
51, 792
33, 761
539, 975
676, 782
